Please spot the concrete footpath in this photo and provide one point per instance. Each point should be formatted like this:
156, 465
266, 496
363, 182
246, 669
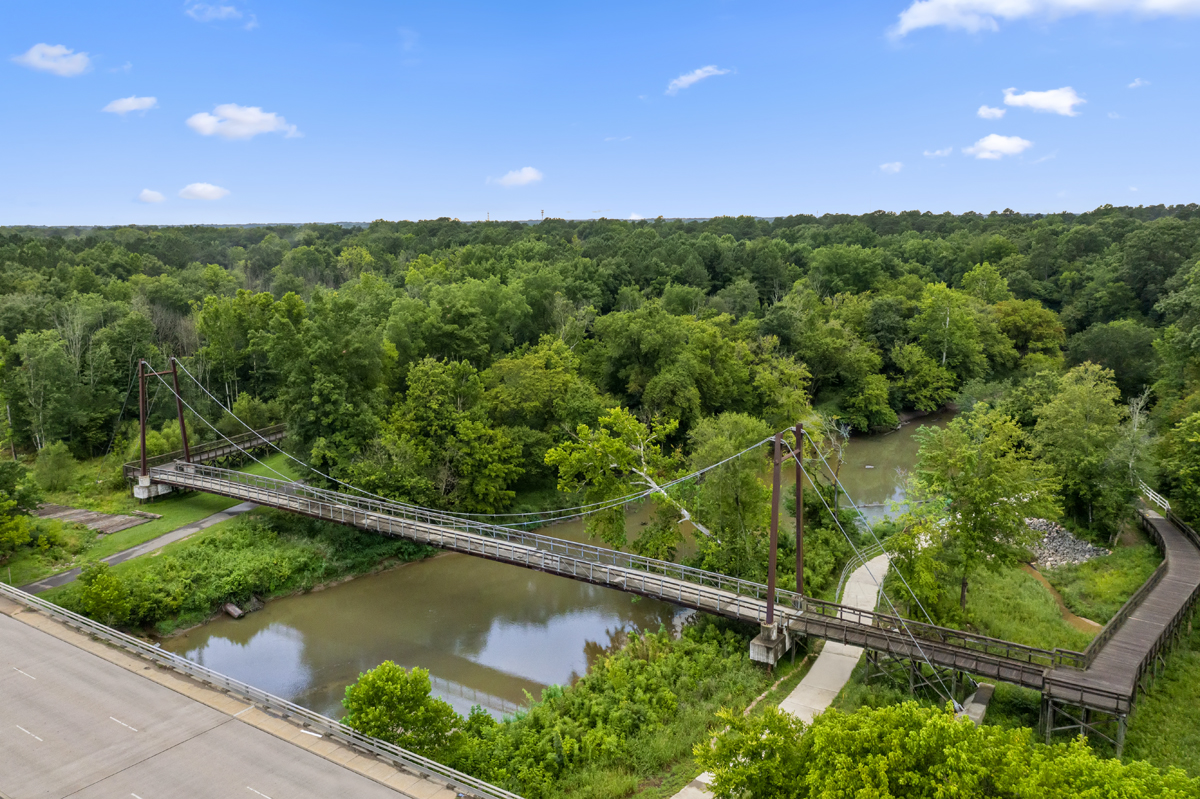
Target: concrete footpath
83, 719
832, 669
177, 534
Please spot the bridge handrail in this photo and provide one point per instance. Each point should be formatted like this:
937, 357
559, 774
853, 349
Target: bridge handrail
600, 555
543, 543
962, 639
252, 438
1126, 610
422, 766
1155, 497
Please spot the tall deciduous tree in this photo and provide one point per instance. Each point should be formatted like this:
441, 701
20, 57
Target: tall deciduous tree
981, 484
1077, 432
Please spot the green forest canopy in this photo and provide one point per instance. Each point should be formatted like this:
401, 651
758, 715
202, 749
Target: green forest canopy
440, 360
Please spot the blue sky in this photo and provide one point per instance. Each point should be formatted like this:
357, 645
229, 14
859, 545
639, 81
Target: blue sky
302, 111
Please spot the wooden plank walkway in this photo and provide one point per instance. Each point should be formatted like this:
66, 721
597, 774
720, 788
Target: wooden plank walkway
1111, 681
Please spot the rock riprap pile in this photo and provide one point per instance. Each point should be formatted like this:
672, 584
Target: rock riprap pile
1059, 548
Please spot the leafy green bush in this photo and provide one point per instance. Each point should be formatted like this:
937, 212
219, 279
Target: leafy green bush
54, 469
636, 711
911, 751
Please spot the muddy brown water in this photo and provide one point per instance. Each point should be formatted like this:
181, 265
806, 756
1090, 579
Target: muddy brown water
490, 634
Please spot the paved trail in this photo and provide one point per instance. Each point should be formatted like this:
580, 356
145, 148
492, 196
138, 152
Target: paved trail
832, 670
177, 534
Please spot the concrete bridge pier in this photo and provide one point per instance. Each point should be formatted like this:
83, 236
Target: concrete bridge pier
770, 644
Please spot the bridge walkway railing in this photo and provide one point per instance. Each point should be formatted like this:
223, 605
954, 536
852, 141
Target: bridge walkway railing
671, 582
211, 450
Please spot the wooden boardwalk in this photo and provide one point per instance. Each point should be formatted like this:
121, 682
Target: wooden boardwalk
1127, 653
1105, 678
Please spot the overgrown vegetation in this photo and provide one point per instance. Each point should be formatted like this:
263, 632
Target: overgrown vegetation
1096, 590
910, 750
1165, 728
638, 711
265, 554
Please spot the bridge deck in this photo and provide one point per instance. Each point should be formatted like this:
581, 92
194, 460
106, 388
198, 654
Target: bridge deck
1105, 678
1121, 661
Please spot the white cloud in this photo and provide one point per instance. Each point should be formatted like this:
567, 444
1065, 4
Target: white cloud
695, 76
520, 177
252, 24
233, 121
891, 168
1138, 83
1133, 188
62, 61
987, 112
127, 104
409, 39
1113, 115
635, 217
994, 146
203, 12
939, 153
980, 15
152, 196
1055, 101
202, 191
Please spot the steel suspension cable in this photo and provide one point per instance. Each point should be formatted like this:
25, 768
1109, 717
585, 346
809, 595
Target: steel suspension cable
937, 675
282, 476
595, 507
867, 524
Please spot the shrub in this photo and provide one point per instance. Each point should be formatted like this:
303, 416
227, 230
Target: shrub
55, 468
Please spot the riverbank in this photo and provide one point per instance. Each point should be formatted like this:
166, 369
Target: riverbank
267, 554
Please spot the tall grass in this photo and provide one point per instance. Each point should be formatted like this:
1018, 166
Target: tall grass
1096, 590
1014, 606
1165, 726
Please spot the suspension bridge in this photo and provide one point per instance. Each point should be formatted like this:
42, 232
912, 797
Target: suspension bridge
1092, 692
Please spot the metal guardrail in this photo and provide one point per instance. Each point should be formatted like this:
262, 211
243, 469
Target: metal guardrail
210, 450
671, 582
859, 559
410, 761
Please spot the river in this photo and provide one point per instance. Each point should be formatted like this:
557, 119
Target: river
489, 633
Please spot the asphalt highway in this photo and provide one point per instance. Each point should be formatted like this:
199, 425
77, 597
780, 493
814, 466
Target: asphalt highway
73, 724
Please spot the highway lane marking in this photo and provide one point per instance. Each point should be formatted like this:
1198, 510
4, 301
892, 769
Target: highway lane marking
240, 712
260, 793
30, 676
123, 724
135, 796
309, 732
27, 732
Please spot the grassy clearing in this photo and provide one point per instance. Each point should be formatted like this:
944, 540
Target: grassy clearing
78, 544
1096, 590
1165, 726
266, 553
1012, 605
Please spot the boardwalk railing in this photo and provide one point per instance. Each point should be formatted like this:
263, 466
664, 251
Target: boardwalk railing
671, 582
409, 761
1134, 601
212, 449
